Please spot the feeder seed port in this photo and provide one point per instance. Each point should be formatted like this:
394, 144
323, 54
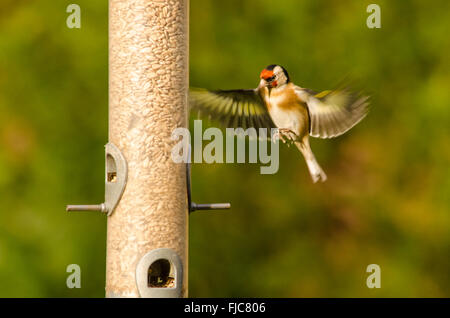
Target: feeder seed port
116, 172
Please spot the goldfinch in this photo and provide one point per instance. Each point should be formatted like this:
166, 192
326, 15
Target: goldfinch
278, 103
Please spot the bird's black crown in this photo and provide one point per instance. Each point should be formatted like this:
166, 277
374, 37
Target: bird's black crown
272, 66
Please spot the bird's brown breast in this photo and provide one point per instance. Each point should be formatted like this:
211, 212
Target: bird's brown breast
288, 110
286, 99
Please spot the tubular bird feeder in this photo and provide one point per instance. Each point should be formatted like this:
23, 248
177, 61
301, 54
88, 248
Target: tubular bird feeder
147, 194
148, 99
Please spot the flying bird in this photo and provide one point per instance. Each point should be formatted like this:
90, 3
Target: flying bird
278, 103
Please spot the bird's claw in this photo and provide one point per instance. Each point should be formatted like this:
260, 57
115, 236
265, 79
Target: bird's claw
285, 135
276, 136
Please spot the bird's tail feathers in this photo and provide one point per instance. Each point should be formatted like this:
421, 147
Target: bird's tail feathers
317, 174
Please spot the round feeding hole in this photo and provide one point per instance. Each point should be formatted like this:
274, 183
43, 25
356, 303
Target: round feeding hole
160, 274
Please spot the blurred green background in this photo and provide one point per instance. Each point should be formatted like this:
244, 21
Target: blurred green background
386, 200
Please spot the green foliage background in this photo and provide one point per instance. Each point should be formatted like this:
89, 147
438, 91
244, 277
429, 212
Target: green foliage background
386, 201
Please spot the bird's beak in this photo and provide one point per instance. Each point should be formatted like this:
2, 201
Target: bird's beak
262, 83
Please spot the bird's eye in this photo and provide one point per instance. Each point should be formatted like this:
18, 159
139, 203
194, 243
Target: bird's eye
270, 79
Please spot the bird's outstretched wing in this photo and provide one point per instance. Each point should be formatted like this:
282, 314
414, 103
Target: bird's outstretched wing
234, 108
332, 113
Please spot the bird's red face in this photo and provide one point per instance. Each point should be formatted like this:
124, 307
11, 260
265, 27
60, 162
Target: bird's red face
269, 77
